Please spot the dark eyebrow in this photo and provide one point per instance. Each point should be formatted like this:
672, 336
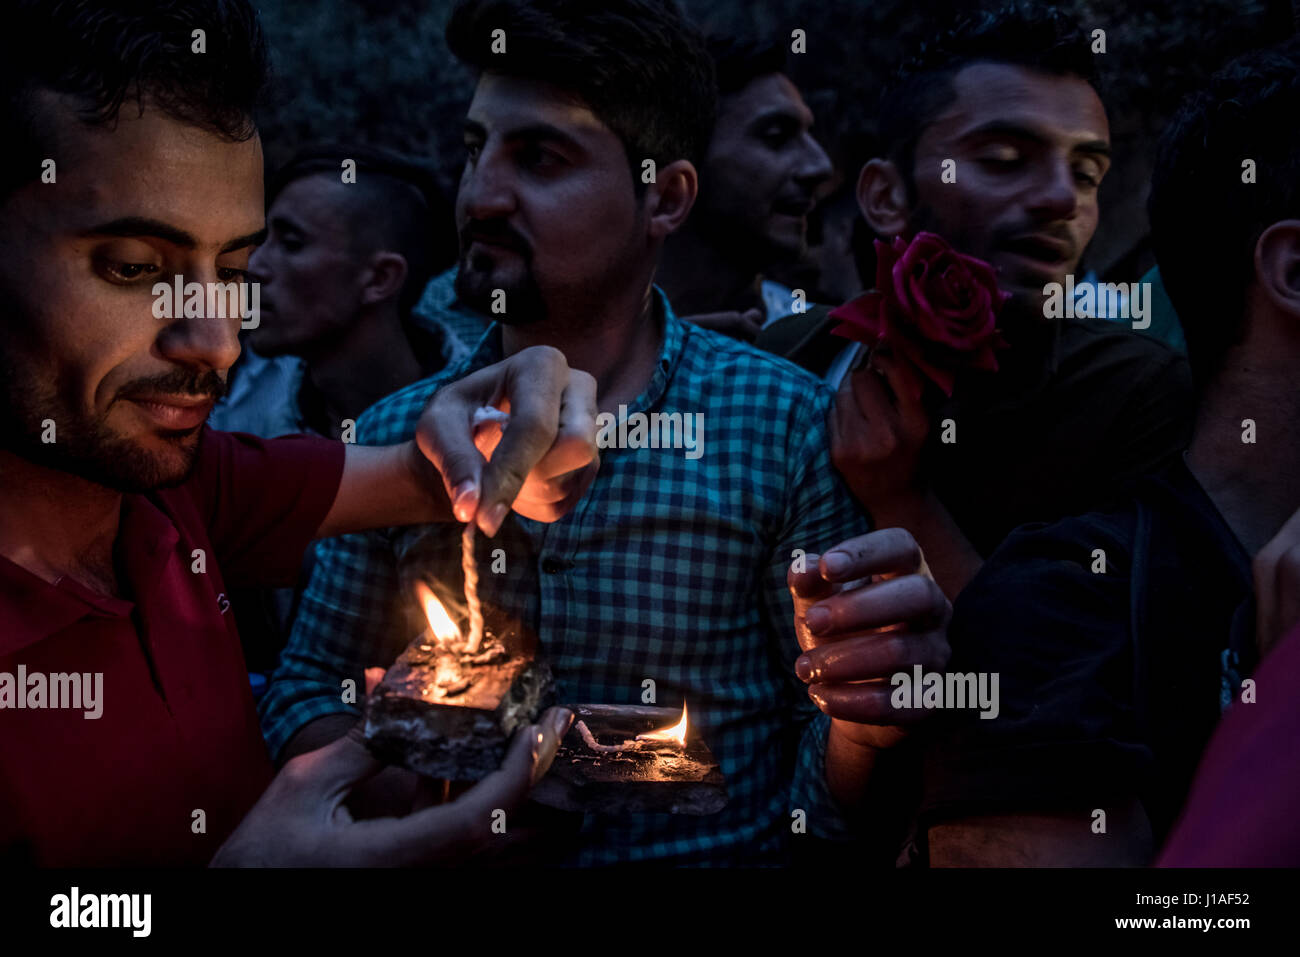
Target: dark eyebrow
136, 226
252, 239
786, 114
141, 226
1095, 147
533, 132
544, 131
1019, 132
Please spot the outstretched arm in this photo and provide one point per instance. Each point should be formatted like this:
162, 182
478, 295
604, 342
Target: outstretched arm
542, 463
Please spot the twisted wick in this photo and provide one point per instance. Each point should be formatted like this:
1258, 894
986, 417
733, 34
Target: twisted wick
470, 568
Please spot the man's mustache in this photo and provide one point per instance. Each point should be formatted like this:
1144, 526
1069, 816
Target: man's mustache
1059, 232
179, 382
496, 231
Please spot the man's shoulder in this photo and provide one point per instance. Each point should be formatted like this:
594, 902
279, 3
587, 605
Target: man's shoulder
804, 338
1102, 342
236, 473
724, 359
393, 418
220, 449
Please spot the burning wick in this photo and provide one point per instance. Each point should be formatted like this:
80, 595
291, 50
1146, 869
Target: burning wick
674, 735
441, 627
450, 678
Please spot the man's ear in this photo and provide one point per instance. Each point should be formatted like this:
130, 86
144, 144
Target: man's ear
383, 277
668, 200
1277, 265
882, 197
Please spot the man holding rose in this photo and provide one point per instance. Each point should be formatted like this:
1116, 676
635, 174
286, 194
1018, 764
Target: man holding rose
997, 146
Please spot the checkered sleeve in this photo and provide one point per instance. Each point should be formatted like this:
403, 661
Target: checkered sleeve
351, 615
822, 514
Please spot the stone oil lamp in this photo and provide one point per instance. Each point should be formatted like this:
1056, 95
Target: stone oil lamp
451, 702
622, 759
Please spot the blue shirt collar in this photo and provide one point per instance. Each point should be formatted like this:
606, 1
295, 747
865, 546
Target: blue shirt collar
490, 350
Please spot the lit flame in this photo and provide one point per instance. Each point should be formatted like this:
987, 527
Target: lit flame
677, 733
440, 623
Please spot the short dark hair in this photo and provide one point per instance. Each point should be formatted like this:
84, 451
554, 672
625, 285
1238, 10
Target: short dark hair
396, 204
1200, 207
637, 64
739, 60
1037, 37
104, 52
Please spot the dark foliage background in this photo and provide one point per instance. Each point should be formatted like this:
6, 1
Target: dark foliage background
378, 71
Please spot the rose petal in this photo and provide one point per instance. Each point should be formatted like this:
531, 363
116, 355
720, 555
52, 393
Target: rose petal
936, 305
935, 373
861, 318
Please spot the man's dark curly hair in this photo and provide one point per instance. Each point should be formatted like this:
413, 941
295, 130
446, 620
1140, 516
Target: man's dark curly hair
1038, 37
105, 54
1205, 221
637, 64
739, 60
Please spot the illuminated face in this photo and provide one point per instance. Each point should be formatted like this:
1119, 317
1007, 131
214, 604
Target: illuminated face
136, 204
1030, 150
761, 172
546, 208
308, 270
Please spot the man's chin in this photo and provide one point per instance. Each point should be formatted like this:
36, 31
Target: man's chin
512, 303
174, 457
770, 243
138, 465
476, 285
788, 236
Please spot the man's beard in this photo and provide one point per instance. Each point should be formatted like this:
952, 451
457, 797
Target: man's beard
476, 287
88, 447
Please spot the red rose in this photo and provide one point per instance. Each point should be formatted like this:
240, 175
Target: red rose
931, 304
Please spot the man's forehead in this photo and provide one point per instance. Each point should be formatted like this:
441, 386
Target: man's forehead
771, 92
991, 95
149, 166
504, 104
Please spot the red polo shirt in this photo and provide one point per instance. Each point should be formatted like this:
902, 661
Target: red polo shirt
178, 731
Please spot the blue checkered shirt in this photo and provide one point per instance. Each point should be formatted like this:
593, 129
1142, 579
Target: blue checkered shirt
670, 568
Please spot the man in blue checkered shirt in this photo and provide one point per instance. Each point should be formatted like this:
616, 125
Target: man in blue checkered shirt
671, 573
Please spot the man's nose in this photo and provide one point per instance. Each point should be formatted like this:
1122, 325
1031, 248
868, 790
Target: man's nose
1055, 193
207, 340
487, 187
814, 165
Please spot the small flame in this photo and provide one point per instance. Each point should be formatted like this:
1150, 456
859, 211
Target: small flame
440, 623
677, 733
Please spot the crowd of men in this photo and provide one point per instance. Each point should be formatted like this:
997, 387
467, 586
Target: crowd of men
1103, 527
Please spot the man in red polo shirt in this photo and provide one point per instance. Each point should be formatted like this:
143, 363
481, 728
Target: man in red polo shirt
127, 728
